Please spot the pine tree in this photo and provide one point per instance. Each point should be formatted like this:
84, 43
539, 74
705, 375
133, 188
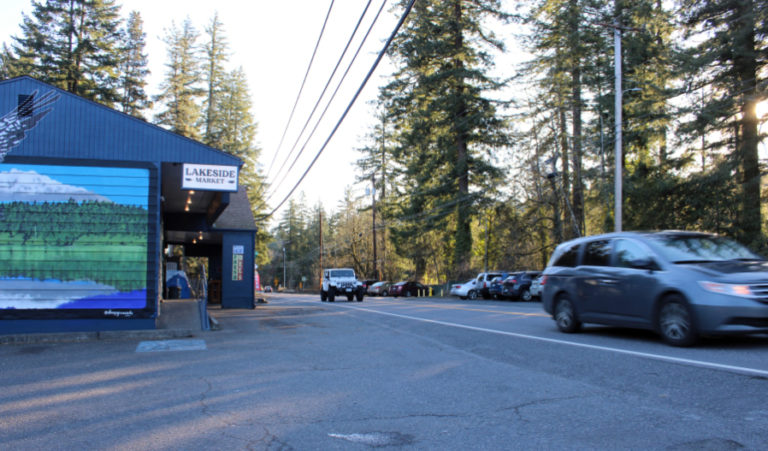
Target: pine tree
237, 134
448, 128
6, 62
72, 44
649, 74
133, 68
181, 88
216, 53
565, 48
731, 61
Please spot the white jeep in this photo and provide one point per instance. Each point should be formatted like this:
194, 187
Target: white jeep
341, 281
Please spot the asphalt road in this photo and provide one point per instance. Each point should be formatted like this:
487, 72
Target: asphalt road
387, 373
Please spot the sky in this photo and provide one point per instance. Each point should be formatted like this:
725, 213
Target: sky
273, 42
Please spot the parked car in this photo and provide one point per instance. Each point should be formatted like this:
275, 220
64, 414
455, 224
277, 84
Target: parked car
679, 284
368, 283
536, 287
518, 286
268, 289
407, 289
496, 288
465, 290
484, 282
379, 289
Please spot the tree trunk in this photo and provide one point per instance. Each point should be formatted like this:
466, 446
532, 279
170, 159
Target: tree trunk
578, 189
746, 67
566, 175
463, 248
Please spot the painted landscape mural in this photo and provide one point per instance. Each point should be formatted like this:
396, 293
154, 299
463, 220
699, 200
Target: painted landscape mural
73, 237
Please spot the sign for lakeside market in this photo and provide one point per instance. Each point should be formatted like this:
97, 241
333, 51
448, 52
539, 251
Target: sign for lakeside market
209, 177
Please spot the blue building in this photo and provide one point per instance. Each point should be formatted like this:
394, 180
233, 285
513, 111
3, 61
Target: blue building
91, 202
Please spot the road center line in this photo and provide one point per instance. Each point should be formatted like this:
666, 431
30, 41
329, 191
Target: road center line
698, 363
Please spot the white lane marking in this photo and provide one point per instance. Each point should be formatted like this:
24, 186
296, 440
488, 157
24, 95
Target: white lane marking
171, 345
698, 363
371, 439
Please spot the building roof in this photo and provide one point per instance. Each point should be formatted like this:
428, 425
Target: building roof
238, 214
60, 124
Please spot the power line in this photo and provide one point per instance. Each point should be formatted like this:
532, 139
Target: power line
306, 74
351, 103
325, 110
330, 78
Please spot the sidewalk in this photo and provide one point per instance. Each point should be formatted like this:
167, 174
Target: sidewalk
179, 318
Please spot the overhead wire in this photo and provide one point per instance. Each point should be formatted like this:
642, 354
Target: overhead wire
298, 96
325, 110
349, 106
330, 78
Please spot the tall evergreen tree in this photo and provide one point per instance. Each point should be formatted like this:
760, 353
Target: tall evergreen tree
565, 46
649, 73
730, 57
237, 134
6, 61
133, 68
216, 54
72, 44
449, 128
180, 90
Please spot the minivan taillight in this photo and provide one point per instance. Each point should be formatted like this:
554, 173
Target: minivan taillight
543, 280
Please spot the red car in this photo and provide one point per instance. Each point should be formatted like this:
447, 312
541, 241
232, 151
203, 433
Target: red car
406, 289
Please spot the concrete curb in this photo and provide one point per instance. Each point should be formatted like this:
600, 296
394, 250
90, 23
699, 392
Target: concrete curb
74, 337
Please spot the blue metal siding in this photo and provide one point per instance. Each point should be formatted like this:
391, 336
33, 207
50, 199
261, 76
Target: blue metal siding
237, 293
76, 128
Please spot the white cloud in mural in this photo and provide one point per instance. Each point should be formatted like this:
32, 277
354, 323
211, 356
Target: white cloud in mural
29, 186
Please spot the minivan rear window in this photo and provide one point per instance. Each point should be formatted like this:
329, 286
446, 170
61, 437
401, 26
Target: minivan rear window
569, 257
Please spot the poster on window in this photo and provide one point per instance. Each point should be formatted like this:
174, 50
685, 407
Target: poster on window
73, 237
237, 267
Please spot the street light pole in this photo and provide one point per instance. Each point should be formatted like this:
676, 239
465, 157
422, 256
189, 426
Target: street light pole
617, 151
373, 209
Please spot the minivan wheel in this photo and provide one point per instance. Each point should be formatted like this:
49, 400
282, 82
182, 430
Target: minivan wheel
526, 295
472, 295
565, 316
675, 322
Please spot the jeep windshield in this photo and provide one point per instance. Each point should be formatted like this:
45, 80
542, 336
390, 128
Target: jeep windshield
343, 273
696, 248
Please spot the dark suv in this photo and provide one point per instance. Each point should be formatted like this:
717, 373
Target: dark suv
679, 284
518, 285
484, 280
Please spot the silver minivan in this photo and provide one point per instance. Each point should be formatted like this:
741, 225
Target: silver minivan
679, 284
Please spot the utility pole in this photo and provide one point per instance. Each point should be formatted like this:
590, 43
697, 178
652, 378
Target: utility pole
618, 152
485, 259
321, 247
285, 282
373, 208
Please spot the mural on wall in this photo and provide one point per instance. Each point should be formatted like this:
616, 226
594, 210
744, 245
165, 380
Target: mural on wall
15, 124
73, 237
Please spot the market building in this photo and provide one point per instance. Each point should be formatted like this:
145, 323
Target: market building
92, 203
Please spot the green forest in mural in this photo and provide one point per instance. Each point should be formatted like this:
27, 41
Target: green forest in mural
99, 241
